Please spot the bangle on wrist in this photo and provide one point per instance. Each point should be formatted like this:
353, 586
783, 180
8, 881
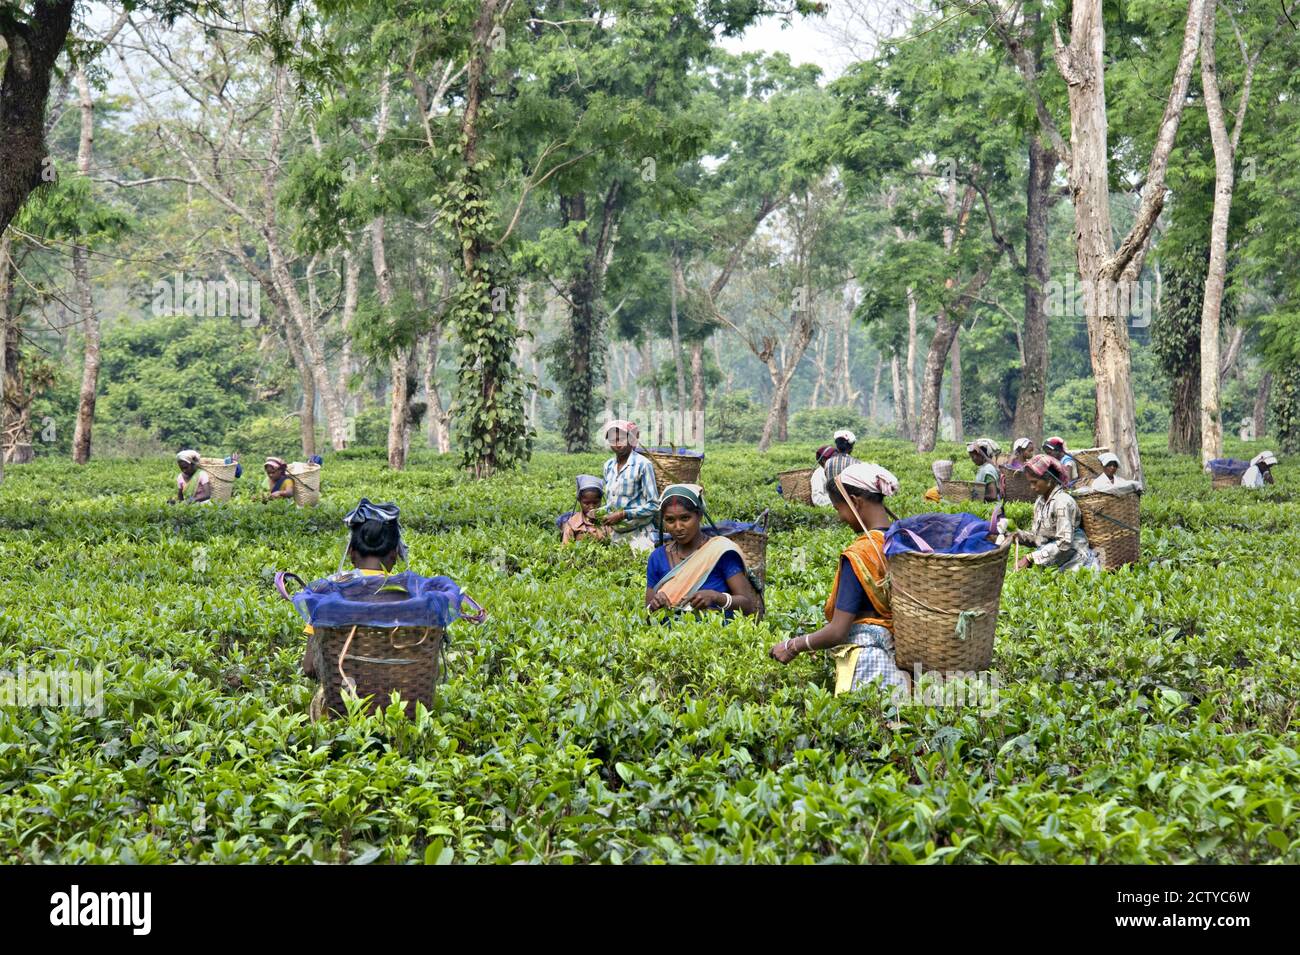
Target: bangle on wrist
807, 644
727, 605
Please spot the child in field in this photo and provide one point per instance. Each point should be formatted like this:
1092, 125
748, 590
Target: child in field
277, 485
582, 522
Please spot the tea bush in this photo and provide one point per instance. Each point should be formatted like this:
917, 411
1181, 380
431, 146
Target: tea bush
1143, 716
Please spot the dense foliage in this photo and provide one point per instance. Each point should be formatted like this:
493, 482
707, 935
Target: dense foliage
1143, 716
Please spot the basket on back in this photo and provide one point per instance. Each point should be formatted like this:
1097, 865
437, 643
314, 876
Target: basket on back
946, 608
306, 483
674, 465
1226, 472
1113, 525
945, 605
1089, 463
376, 634
796, 485
961, 491
1015, 485
222, 475
751, 538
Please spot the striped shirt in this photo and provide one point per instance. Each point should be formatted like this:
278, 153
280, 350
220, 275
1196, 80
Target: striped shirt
633, 488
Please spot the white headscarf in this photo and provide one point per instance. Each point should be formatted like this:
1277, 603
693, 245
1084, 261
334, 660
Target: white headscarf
187, 457
846, 434
1264, 457
1020, 443
1108, 458
986, 446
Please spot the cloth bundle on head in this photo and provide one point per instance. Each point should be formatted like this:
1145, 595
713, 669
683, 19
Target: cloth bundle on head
367, 511
824, 452
689, 492
867, 477
1055, 442
1267, 458
1108, 458
628, 428
589, 482
846, 434
986, 446
1042, 465
276, 463
1020, 443
187, 457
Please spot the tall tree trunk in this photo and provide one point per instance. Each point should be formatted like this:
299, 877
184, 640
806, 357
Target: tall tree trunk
1211, 422
873, 412
1229, 363
697, 392
1032, 396
610, 364
1109, 269
399, 363
658, 394
35, 41
81, 438
6, 296
945, 331
1260, 411
900, 398
958, 427
1185, 413
910, 427
678, 364
439, 438
351, 287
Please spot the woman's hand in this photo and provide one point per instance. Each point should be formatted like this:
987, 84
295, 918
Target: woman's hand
707, 599
784, 651
614, 517
657, 602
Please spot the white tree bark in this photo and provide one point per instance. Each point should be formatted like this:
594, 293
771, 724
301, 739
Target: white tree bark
81, 438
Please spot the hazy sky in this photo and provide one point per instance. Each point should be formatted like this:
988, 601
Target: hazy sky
804, 40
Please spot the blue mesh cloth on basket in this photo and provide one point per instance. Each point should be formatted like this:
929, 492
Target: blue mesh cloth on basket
401, 600
1225, 467
942, 534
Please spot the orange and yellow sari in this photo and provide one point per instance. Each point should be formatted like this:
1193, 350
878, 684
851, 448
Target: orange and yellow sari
866, 556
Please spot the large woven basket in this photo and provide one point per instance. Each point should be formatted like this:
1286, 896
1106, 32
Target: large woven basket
379, 660
1113, 525
753, 544
306, 483
1089, 463
673, 468
1015, 485
1220, 482
935, 593
796, 485
960, 491
223, 477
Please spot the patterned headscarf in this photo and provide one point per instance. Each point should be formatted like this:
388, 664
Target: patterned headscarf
846, 434
1020, 444
276, 463
589, 482
188, 457
1264, 457
629, 428
1055, 442
837, 463
1043, 465
824, 452
687, 492
986, 446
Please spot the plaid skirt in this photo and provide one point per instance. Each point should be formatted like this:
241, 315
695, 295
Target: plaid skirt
874, 657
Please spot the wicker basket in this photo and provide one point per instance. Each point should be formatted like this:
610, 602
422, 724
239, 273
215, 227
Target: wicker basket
673, 468
223, 477
931, 593
306, 483
1015, 486
796, 485
1089, 463
1113, 525
753, 544
379, 660
1220, 482
960, 491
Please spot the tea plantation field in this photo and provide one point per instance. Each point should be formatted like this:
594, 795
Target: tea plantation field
1143, 716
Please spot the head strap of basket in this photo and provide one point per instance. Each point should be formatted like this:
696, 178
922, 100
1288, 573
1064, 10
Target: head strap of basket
867, 477
1046, 466
824, 452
